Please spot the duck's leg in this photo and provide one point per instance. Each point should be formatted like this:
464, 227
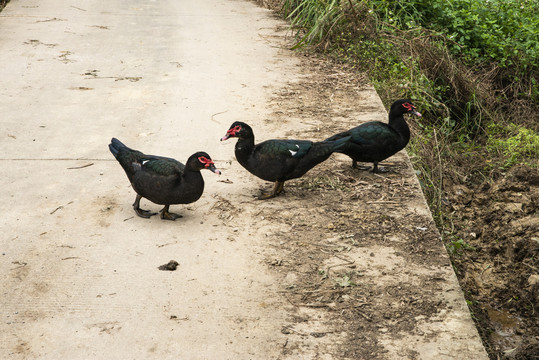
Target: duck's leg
166, 215
377, 169
277, 189
279, 186
359, 167
140, 212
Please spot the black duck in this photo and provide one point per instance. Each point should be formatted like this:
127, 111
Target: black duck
162, 180
375, 141
278, 160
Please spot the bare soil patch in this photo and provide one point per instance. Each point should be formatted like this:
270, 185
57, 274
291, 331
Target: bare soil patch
497, 259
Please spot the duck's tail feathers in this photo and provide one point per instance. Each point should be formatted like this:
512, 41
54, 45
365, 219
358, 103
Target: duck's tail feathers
115, 146
326, 148
339, 144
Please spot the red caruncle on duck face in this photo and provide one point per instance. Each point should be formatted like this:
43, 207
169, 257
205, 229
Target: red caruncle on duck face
232, 132
410, 108
207, 162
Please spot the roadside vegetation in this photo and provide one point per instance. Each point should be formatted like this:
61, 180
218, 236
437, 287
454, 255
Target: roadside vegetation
472, 68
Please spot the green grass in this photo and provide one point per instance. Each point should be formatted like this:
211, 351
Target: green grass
516, 144
313, 20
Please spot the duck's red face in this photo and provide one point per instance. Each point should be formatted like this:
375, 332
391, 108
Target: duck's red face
208, 164
232, 132
410, 108
205, 161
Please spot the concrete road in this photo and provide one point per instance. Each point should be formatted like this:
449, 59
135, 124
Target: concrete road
167, 77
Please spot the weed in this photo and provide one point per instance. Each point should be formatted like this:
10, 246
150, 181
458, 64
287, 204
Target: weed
515, 143
344, 281
457, 245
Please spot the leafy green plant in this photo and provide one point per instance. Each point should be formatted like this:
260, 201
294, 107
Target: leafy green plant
457, 245
500, 30
344, 281
515, 143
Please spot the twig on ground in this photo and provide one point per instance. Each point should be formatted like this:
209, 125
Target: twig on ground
60, 207
79, 167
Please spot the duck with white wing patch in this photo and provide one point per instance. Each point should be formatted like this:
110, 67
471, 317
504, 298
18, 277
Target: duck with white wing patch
278, 160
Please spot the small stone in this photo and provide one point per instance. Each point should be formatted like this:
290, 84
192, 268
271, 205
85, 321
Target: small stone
533, 280
171, 266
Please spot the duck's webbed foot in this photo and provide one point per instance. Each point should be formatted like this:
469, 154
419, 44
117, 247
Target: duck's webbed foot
360, 167
277, 189
141, 212
266, 195
166, 215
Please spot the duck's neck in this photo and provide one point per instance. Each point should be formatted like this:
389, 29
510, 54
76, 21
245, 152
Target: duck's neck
191, 186
190, 174
244, 148
399, 124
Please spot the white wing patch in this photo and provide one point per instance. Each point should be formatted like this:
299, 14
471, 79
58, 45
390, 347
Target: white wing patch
144, 161
294, 152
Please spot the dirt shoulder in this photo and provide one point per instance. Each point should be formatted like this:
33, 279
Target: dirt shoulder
360, 259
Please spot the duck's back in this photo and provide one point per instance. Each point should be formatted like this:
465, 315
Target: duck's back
272, 160
372, 141
281, 160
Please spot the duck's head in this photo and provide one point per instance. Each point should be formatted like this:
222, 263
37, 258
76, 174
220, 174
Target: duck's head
403, 106
201, 160
239, 130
